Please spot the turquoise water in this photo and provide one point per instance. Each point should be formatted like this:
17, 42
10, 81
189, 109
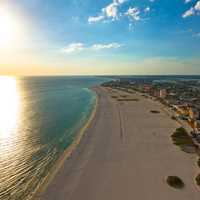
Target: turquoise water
39, 119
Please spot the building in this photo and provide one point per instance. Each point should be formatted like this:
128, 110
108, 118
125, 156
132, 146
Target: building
197, 126
163, 93
156, 93
147, 88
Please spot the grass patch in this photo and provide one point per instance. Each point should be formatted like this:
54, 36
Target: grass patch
175, 182
198, 180
155, 111
181, 138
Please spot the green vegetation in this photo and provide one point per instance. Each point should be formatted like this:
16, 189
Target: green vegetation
181, 138
175, 182
198, 180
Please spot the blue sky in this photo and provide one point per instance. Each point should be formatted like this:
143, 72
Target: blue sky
104, 37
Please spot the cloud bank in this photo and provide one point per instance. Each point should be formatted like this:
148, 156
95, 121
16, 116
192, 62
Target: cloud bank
78, 47
114, 12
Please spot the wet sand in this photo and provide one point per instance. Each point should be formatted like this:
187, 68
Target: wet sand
126, 153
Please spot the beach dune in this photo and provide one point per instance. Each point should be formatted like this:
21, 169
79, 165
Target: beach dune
126, 153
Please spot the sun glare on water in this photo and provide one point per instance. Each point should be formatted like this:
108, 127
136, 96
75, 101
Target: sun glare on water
9, 106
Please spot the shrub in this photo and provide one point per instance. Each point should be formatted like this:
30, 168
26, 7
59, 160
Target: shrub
198, 180
175, 182
182, 139
155, 111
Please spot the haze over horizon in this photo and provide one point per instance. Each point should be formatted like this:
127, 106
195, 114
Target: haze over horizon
102, 37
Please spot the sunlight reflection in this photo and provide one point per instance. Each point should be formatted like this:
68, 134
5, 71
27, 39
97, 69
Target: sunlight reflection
9, 106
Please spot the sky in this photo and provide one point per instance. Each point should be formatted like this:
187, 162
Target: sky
101, 37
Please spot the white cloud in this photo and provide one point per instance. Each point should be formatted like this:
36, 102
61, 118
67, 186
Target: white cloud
189, 13
106, 46
120, 1
188, 1
147, 9
111, 11
74, 47
95, 19
133, 13
192, 11
78, 47
197, 6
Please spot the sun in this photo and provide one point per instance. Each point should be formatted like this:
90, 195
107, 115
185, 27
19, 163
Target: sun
9, 29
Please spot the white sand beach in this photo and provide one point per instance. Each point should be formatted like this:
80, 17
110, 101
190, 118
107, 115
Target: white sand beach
126, 153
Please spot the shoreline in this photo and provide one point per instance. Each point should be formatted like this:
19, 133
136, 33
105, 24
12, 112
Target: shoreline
108, 166
67, 153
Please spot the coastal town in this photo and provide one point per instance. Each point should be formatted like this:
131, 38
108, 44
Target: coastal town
182, 97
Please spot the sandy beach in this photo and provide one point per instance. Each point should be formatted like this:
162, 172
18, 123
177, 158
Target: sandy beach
125, 153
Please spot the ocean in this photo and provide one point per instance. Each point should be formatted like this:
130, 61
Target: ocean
39, 118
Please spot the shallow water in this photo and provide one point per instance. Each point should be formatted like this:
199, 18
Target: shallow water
39, 118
